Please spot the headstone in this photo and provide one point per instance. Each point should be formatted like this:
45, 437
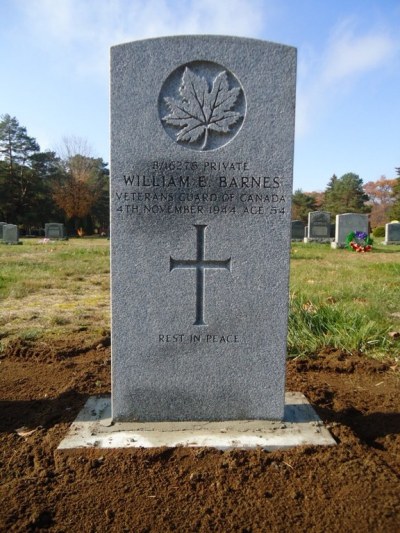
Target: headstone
305, 231
347, 223
1, 229
11, 234
319, 227
297, 230
202, 132
54, 231
392, 233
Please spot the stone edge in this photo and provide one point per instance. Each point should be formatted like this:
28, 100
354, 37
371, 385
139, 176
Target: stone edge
93, 428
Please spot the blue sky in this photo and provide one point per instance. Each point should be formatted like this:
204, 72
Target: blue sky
54, 57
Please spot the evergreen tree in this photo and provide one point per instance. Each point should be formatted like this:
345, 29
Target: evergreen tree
346, 195
302, 204
16, 174
46, 168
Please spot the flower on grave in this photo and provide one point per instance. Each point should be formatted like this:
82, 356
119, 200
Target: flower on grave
359, 241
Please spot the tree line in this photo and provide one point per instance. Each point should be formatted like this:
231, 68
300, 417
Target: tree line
38, 187
348, 194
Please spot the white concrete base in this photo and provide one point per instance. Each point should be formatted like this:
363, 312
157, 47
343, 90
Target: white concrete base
93, 428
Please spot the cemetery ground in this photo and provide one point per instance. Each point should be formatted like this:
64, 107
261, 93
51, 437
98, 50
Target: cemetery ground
344, 356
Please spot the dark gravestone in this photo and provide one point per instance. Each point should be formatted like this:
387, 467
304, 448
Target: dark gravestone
297, 230
54, 231
202, 132
1, 229
319, 227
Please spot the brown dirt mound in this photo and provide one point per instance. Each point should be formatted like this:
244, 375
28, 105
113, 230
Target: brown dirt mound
354, 486
46, 351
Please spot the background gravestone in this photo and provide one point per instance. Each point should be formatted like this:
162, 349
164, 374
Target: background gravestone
1, 229
297, 230
202, 131
54, 231
347, 223
392, 233
11, 234
319, 227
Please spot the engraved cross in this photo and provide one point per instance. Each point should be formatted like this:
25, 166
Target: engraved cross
200, 265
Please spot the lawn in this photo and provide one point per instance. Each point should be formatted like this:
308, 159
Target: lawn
343, 299
338, 299
54, 289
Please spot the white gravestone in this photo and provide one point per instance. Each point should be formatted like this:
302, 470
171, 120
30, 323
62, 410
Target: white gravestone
347, 223
392, 233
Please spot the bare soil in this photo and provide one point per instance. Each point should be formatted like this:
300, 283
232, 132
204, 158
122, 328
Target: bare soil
354, 486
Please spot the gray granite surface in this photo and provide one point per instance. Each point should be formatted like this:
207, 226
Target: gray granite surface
297, 230
345, 224
55, 231
202, 131
10, 234
392, 233
319, 226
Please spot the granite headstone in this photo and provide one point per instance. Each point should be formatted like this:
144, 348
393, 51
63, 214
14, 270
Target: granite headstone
1, 229
54, 231
392, 233
202, 133
345, 224
297, 230
319, 227
11, 234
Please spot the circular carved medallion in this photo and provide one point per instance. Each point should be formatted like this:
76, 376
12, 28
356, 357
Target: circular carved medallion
202, 105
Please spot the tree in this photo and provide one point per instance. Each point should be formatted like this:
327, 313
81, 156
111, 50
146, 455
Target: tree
16, 147
31, 181
381, 199
82, 191
17, 176
46, 166
346, 195
302, 204
395, 209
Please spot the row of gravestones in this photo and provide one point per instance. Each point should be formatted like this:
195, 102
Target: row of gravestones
9, 233
320, 229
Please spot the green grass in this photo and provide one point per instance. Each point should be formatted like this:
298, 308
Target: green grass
53, 290
345, 300
338, 299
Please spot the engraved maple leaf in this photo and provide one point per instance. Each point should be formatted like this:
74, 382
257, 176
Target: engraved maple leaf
200, 110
